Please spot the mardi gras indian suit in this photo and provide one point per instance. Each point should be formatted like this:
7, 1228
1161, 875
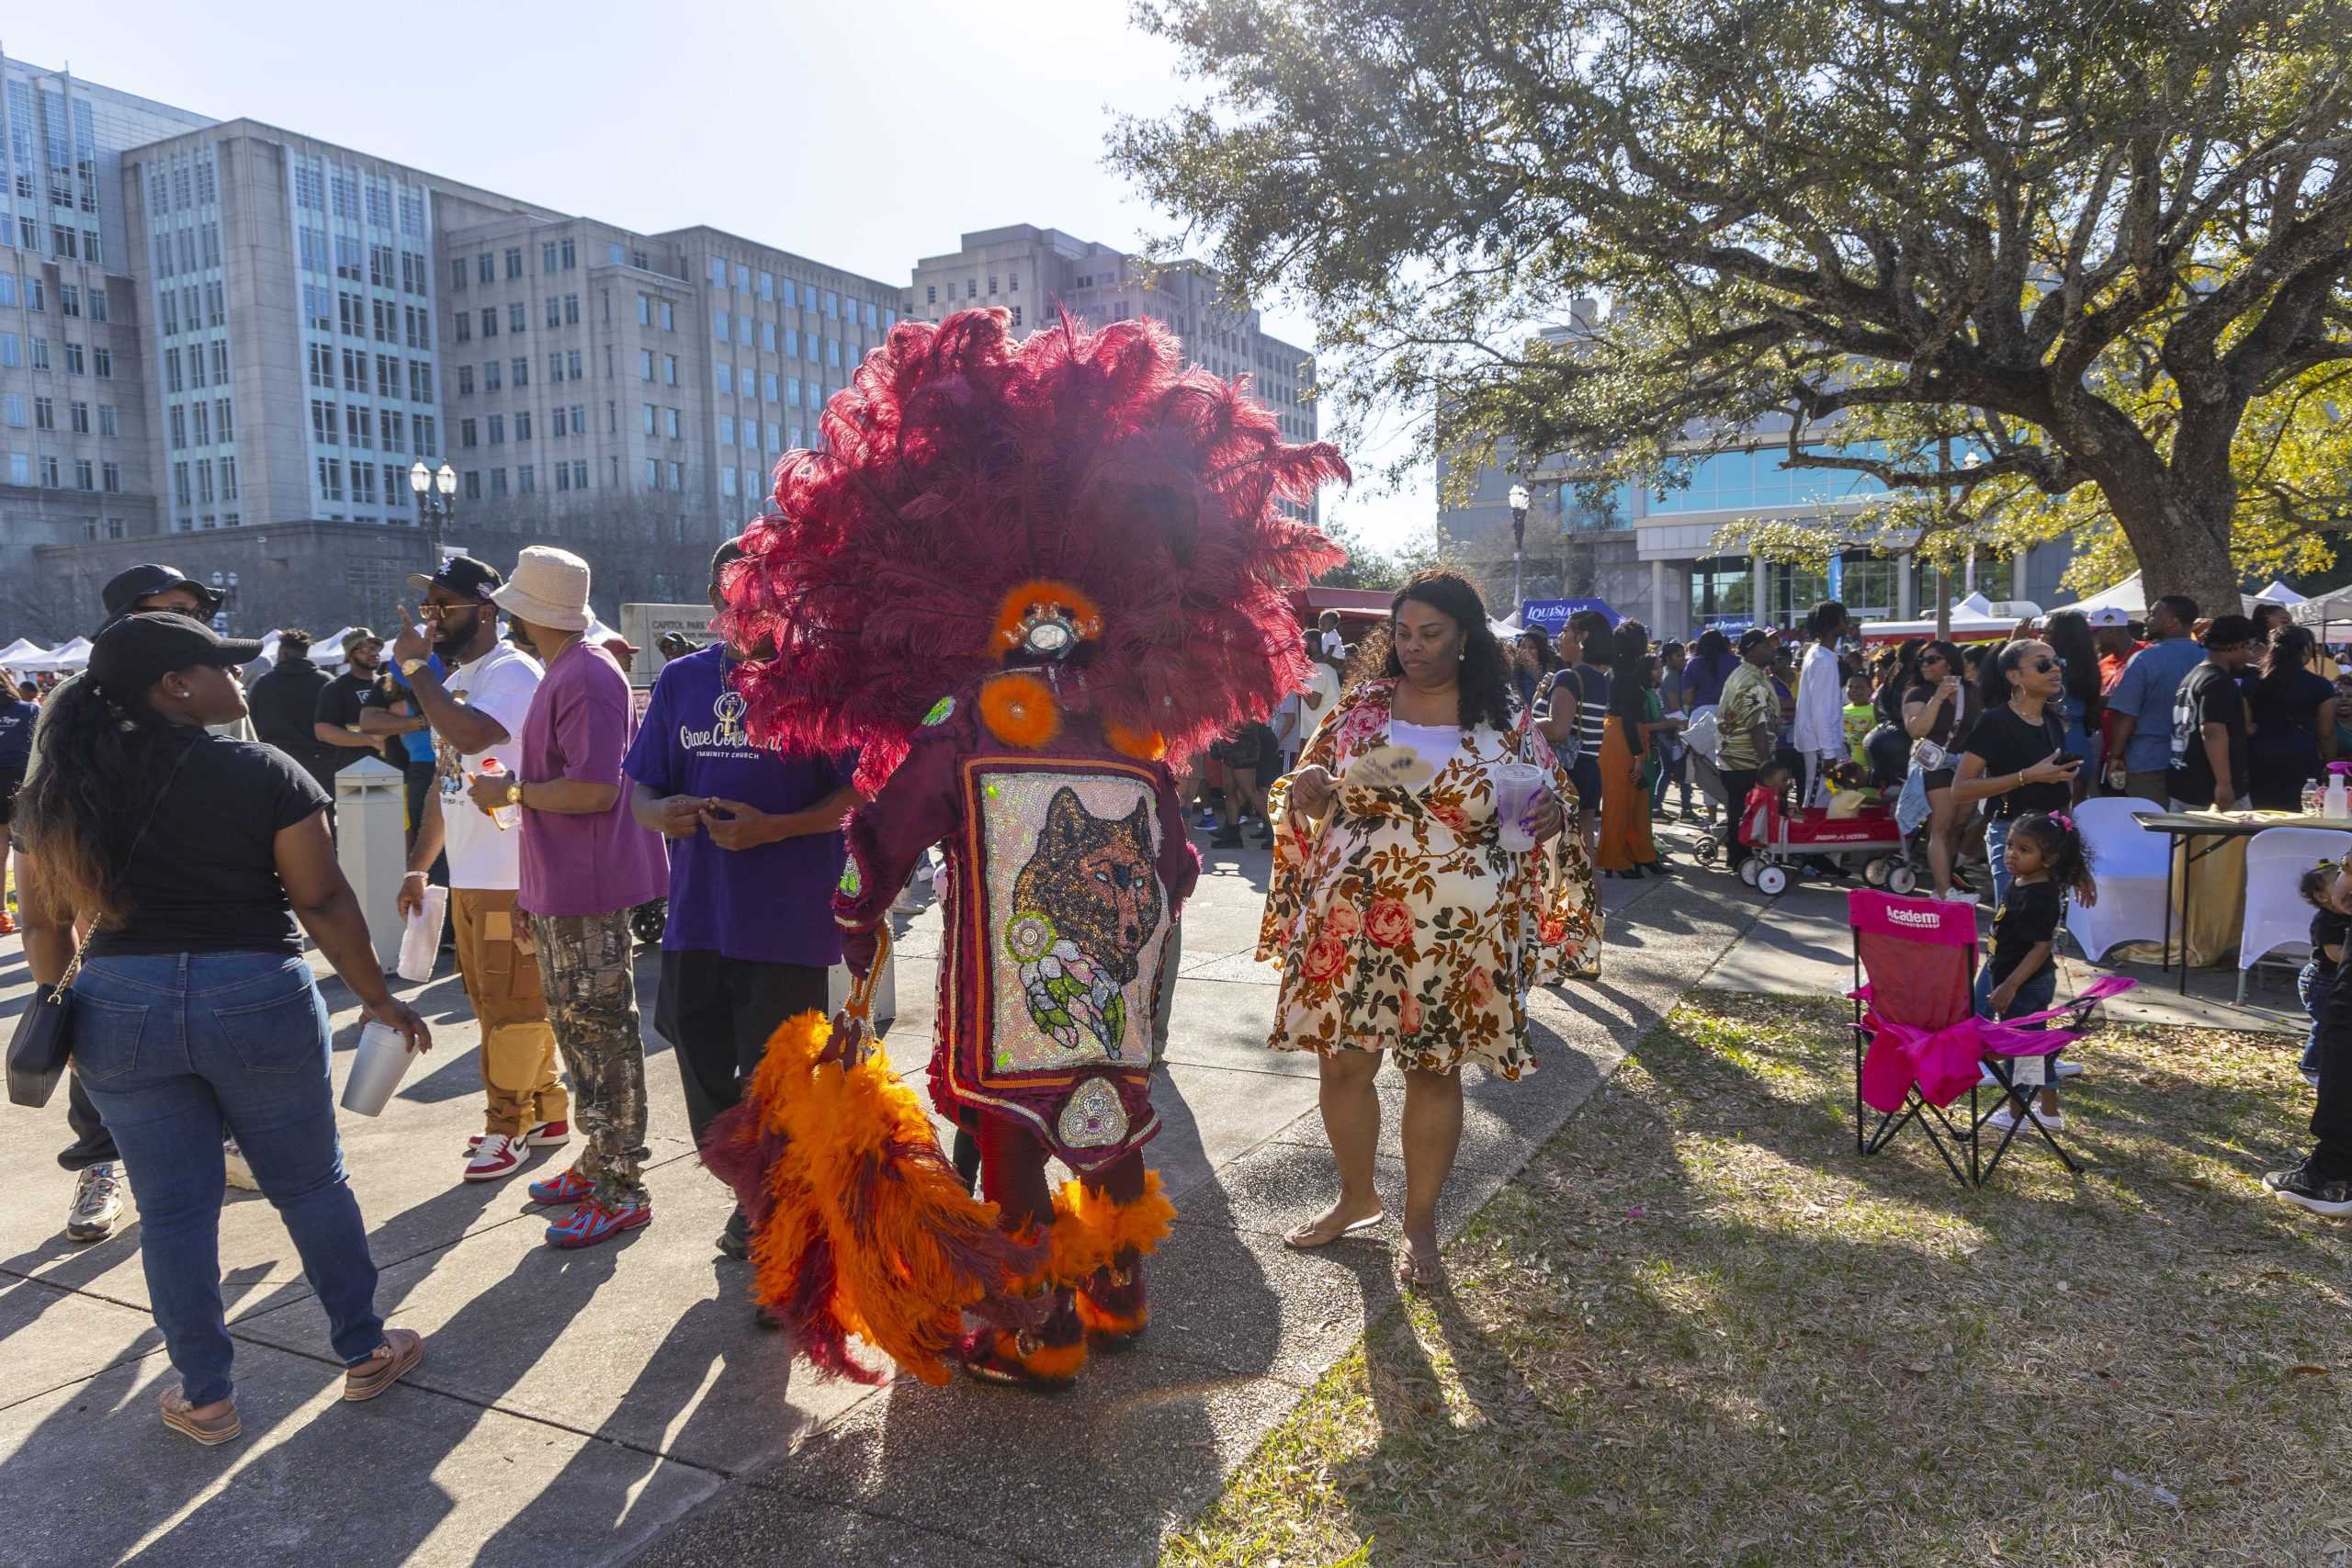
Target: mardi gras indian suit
1020, 576
1400, 922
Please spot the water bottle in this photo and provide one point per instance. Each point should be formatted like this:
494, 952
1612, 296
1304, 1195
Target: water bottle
2334, 806
506, 816
2311, 797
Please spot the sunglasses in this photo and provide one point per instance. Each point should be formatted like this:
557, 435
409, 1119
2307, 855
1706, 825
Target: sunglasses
2044, 666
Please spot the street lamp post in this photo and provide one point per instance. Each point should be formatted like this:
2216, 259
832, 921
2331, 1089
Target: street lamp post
1517, 543
437, 492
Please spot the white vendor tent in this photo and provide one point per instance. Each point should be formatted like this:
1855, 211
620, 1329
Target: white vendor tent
13, 656
2131, 598
71, 656
1973, 620
2329, 616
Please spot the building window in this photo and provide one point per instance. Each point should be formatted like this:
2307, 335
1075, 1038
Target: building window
669, 369
527, 479
931, 292
555, 312
645, 365
465, 381
497, 424
112, 473
718, 327
670, 423
521, 373
473, 484
521, 424
466, 433
572, 310
724, 377
514, 261
727, 483
515, 317
490, 376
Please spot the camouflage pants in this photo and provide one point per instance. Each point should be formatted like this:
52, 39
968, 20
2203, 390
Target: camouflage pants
592, 1001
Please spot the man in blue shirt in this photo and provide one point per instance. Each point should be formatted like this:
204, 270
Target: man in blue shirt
2141, 761
755, 854
381, 717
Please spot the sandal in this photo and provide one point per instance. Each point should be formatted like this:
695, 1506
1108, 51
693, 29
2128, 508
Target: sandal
1300, 1239
393, 1359
1414, 1272
212, 1431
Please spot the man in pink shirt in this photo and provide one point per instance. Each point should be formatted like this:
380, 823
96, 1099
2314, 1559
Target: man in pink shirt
585, 864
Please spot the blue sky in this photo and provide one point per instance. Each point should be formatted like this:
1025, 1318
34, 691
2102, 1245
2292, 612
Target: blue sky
864, 135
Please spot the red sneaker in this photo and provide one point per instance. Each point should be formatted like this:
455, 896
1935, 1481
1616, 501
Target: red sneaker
496, 1158
545, 1136
594, 1222
7, 923
568, 1187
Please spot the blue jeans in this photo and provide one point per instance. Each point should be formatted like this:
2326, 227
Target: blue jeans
2035, 993
2313, 984
1996, 855
179, 1048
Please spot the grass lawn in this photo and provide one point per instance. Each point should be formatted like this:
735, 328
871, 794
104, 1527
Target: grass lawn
1699, 1329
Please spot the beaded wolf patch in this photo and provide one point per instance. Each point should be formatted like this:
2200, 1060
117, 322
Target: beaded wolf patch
1085, 907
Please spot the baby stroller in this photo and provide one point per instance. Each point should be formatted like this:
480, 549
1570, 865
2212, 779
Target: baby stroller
1710, 780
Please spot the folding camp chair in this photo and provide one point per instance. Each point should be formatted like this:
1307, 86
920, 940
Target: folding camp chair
1918, 1044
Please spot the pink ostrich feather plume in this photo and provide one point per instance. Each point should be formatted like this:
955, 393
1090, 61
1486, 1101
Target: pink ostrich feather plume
959, 463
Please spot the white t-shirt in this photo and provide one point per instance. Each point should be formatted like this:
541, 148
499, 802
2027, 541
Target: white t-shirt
1315, 699
499, 684
1436, 744
1333, 644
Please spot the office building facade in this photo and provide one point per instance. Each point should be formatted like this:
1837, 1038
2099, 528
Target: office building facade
263, 332
75, 451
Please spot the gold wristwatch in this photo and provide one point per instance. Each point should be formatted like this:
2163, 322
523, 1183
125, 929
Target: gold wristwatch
411, 666
514, 794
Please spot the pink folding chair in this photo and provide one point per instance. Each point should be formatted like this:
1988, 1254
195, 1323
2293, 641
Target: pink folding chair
1918, 1044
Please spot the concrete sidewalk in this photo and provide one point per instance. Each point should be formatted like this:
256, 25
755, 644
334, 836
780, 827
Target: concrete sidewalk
620, 1405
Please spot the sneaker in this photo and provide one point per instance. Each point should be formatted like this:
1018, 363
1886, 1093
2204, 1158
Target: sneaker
1226, 840
97, 1202
594, 1222
2004, 1119
239, 1173
735, 1241
566, 1186
1959, 895
2298, 1186
543, 1135
495, 1158
2067, 1068
7, 923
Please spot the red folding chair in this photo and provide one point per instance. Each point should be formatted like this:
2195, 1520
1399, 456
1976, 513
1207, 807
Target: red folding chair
1918, 1044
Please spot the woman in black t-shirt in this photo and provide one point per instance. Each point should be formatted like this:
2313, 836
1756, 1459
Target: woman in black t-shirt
2016, 755
193, 1014
1939, 708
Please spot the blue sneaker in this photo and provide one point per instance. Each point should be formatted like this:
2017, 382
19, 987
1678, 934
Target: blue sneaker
594, 1222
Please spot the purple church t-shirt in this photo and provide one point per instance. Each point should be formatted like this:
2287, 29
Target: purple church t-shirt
595, 862
772, 904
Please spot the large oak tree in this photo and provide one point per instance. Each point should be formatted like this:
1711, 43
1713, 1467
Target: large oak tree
1816, 217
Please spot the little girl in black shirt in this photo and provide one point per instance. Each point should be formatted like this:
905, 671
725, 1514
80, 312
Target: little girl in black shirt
2045, 857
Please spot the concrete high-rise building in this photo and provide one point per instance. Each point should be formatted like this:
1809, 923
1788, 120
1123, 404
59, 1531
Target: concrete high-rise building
273, 330
75, 456
1034, 272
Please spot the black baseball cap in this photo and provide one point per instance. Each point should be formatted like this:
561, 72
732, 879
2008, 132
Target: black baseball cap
127, 588
135, 651
463, 576
1753, 636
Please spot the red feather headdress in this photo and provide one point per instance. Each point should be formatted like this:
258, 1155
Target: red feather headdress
959, 466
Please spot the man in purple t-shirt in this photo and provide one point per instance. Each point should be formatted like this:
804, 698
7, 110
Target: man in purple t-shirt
755, 854
585, 864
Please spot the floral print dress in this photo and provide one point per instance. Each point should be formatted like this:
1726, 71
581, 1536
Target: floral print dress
1401, 924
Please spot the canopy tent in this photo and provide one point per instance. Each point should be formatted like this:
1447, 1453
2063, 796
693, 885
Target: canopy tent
2329, 616
2131, 598
69, 656
12, 655
1973, 620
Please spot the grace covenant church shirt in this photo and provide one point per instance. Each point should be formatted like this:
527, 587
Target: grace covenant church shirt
772, 904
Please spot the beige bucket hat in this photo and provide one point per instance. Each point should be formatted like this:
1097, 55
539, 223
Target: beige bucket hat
548, 588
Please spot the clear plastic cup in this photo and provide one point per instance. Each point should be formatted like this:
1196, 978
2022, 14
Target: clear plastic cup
1517, 785
377, 1069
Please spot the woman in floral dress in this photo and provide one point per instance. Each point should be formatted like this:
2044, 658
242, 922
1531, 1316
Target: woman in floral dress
1400, 922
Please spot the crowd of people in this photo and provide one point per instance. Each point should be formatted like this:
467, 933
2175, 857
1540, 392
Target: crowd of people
174, 838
